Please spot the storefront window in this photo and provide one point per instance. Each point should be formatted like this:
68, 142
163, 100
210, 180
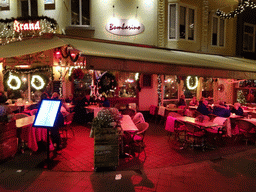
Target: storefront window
170, 87
127, 83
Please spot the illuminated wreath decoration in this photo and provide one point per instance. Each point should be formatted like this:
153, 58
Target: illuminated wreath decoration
10, 80
37, 82
195, 80
106, 82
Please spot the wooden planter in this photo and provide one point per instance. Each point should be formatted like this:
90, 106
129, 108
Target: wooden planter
106, 148
8, 140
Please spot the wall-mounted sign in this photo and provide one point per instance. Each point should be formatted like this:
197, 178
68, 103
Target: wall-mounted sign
25, 26
124, 27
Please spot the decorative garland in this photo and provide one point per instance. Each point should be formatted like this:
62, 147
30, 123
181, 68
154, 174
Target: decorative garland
159, 90
16, 79
195, 83
238, 10
27, 71
38, 78
29, 18
68, 54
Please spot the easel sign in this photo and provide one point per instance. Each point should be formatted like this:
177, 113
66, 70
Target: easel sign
46, 117
47, 113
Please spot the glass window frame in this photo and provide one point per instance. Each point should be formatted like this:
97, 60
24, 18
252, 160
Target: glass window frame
178, 21
80, 14
219, 37
250, 35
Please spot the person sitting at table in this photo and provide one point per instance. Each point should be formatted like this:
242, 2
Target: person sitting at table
5, 112
70, 99
104, 102
128, 111
221, 110
194, 102
237, 109
203, 107
181, 101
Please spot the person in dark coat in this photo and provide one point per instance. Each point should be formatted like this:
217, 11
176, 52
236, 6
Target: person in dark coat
104, 102
237, 109
203, 107
221, 110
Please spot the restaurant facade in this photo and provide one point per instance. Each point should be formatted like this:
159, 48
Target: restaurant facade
145, 52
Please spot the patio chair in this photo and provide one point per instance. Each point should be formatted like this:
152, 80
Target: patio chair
137, 145
195, 135
153, 110
246, 130
138, 118
21, 143
67, 125
33, 111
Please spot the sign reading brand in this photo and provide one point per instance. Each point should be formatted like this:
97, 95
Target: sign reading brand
124, 27
25, 26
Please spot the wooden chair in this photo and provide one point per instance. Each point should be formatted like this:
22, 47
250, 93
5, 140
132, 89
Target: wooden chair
137, 145
138, 118
195, 135
67, 124
153, 110
21, 143
246, 130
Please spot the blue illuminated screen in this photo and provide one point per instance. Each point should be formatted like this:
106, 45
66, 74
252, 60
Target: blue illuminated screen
47, 113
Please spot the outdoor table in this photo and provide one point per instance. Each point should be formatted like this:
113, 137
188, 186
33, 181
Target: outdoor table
192, 120
127, 125
93, 109
18, 106
30, 134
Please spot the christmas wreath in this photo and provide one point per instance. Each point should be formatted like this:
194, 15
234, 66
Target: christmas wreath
107, 82
77, 74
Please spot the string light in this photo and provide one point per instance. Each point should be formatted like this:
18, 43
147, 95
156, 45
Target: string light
188, 83
16, 79
40, 79
240, 8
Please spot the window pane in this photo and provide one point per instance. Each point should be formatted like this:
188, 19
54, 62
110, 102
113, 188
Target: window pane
250, 43
214, 31
172, 25
245, 42
248, 29
170, 87
127, 84
191, 24
221, 38
75, 12
34, 11
182, 22
85, 12
24, 8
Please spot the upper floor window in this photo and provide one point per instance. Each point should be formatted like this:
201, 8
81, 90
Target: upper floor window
29, 8
181, 22
80, 12
170, 87
218, 31
249, 38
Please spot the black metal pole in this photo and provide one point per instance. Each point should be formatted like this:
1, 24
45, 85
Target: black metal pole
48, 150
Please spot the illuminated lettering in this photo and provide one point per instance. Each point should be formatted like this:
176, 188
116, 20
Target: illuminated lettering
25, 26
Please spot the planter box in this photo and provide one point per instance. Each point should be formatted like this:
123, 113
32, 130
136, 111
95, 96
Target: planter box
106, 148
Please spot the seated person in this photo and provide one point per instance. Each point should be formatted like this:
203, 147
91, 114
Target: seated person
182, 101
5, 112
194, 102
128, 111
104, 102
221, 110
237, 109
70, 99
203, 107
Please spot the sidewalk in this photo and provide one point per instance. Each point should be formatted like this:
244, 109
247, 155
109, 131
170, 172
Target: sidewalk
235, 172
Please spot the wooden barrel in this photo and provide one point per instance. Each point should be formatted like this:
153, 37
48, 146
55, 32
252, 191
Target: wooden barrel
8, 140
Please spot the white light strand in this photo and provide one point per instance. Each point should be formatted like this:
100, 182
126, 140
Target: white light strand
10, 79
188, 83
40, 79
240, 8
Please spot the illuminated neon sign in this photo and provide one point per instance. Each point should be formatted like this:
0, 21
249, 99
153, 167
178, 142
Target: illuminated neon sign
26, 26
124, 27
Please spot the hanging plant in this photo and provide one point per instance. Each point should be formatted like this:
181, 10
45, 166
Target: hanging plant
77, 74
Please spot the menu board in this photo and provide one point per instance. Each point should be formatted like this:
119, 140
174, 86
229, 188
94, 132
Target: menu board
47, 113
